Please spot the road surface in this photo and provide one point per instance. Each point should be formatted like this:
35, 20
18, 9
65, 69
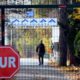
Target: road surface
35, 72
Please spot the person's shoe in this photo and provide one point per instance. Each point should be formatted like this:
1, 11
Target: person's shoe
39, 64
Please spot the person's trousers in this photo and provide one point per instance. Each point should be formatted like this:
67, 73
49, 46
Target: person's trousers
41, 60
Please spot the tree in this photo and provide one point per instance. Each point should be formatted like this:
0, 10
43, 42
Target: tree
69, 27
63, 34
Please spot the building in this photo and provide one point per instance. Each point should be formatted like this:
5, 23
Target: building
19, 2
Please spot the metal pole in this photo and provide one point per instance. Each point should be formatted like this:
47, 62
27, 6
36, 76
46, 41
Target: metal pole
11, 35
3, 26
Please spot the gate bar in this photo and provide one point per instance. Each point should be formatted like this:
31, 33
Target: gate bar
41, 6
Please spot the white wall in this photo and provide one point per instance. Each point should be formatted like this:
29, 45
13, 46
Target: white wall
55, 34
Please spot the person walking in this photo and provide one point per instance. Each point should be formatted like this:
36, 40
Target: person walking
41, 51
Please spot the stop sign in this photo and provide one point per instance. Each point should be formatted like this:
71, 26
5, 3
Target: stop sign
9, 62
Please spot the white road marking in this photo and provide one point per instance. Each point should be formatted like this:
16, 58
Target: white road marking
40, 76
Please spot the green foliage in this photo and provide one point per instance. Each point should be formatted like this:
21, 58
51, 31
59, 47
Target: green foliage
30, 38
74, 33
77, 44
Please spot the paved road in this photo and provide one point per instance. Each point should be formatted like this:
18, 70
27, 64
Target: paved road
36, 72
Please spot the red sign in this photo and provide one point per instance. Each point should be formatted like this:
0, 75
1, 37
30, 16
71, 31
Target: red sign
62, 6
9, 62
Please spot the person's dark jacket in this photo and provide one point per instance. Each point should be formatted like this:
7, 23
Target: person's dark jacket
40, 49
